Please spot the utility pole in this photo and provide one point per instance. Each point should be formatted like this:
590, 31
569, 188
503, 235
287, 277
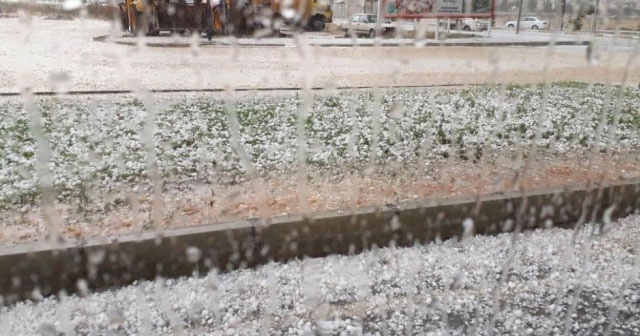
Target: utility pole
564, 8
595, 17
519, 17
379, 18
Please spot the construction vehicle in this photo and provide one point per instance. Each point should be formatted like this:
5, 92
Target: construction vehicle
224, 17
315, 14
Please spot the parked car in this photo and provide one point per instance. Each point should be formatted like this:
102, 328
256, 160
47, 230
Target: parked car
365, 25
469, 24
528, 22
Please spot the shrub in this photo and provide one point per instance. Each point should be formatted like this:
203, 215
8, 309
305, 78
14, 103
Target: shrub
578, 22
583, 9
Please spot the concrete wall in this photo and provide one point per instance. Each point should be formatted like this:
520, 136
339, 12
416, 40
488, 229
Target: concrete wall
104, 263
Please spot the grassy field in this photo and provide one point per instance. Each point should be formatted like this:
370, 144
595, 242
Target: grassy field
107, 145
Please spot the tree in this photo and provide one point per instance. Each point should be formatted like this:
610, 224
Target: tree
583, 9
588, 9
504, 6
577, 23
532, 5
569, 8
547, 6
481, 6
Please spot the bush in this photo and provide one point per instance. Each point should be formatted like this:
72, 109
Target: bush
582, 11
578, 22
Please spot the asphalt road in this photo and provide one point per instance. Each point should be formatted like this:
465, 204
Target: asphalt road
50, 54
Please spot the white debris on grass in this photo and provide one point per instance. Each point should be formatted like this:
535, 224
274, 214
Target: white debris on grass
96, 145
552, 286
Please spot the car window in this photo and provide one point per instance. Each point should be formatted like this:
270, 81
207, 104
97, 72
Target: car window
372, 19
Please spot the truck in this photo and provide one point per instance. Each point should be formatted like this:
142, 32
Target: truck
310, 15
224, 17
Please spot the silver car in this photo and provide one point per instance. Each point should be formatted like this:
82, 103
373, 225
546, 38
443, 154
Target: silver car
528, 22
365, 25
469, 24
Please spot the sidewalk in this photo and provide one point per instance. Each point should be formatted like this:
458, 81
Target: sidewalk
497, 38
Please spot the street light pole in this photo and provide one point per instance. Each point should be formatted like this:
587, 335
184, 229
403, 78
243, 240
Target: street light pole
379, 17
595, 17
564, 8
519, 16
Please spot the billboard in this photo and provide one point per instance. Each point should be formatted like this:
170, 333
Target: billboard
409, 9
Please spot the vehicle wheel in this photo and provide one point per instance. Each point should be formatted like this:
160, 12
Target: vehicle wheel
534, 27
466, 28
510, 26
317, 23
372, 33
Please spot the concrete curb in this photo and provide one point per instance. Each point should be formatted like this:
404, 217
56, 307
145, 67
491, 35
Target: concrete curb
226, 246
247, 89
360, 44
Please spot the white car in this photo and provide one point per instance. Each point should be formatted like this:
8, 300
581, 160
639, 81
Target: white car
469, 24
365, 24
528, 22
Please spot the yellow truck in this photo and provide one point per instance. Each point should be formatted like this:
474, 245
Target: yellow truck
309, 14
319, 15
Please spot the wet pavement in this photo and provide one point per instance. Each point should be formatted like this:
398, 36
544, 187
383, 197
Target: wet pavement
494, 38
